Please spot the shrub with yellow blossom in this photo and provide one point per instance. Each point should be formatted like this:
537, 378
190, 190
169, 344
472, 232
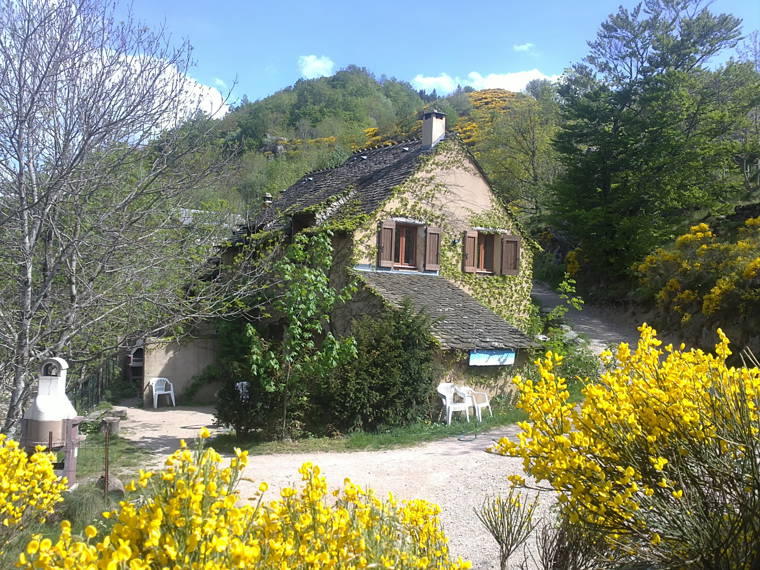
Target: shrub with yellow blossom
662, 457
29, 488
704, 282
190, 516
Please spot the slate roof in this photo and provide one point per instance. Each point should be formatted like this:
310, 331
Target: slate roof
460, 321
372, 173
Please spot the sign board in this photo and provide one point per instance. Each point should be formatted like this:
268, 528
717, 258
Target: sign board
492, 357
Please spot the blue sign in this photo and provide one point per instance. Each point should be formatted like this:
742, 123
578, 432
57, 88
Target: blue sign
492, 357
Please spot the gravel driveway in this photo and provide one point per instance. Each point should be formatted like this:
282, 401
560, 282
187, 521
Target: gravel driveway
456, 472
602, 327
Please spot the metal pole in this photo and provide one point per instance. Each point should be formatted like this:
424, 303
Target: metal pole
105, 459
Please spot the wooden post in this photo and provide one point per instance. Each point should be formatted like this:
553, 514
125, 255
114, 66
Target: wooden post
106, 466
71, 434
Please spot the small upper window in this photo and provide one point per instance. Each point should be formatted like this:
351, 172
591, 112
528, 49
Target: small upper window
484, 254
404, 245
491, 253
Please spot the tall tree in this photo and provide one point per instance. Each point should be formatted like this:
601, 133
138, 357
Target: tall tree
93, 166
748, 154
516, 150
648, 131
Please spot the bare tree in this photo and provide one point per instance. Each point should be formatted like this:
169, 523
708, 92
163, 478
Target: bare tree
94, 162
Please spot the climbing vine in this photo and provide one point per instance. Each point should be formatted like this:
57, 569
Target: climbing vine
421, 197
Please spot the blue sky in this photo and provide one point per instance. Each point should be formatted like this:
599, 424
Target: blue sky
264, 46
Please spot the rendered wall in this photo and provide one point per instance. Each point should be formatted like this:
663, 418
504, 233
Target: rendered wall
450, 192
179, 362
495, 380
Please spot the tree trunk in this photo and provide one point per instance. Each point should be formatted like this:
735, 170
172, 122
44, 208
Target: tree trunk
21, 355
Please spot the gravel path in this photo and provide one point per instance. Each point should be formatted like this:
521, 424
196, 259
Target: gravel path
601, 326
455, 472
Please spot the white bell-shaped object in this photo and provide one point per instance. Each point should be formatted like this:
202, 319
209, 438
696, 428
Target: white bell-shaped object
51, 403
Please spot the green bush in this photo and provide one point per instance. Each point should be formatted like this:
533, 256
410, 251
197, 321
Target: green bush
250, 409
390, 382
548, 268
704, 281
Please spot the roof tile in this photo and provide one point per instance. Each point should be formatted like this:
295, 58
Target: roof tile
459, 320
372, 172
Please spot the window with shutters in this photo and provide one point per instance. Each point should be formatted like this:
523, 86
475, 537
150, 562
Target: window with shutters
492, 253
408, 246
405, 246
484, 261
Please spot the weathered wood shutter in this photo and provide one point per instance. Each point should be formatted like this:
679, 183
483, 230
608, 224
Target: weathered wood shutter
419, 248
385, 243
470, 249
433, 249
510, 255
497, 255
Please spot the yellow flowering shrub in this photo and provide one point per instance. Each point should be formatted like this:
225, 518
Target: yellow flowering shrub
573, 262
487, 106
190, 516
29, 488
661, 457
703, 282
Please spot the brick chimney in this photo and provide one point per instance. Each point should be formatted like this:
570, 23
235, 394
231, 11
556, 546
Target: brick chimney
433, 127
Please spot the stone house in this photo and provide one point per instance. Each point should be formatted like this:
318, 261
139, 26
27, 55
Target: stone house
416, 220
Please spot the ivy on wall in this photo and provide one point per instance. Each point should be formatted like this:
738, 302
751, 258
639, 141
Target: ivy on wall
420, 197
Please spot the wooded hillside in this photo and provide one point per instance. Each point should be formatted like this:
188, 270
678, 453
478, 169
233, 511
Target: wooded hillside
644, 138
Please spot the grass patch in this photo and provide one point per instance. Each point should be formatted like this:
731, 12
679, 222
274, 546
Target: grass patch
82, 506
366, 441
125, 458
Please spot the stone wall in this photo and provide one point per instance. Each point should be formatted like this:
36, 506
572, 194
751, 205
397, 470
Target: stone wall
495, 380
179, 362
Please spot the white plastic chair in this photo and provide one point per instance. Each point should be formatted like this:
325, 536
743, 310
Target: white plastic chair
477, 400
161, 386
243, 389
446, 390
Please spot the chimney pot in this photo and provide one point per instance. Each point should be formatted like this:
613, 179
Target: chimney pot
433, 127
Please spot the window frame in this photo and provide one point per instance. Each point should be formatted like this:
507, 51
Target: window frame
504, 255
484, 257
403, 233
426, 249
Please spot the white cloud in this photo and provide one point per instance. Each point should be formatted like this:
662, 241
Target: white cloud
443, 83
511, 81
526, 47
220, 83
192, 96
312, 66
207, 99
515, 81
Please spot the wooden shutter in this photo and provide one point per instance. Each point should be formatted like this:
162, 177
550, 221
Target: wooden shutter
385, 243
497, 255
510, 255
470, 249
419, 248
433, 249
